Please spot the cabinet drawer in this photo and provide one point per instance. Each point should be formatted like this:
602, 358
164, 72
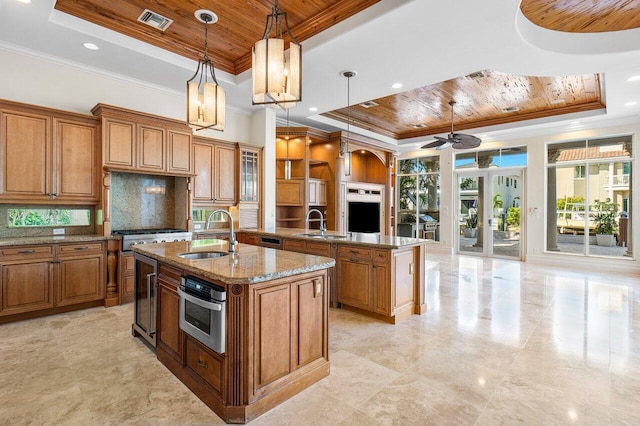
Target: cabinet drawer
294, 245
254, 240
354, 252
204, 364
27, 251
381, 256
80, 248
319, 249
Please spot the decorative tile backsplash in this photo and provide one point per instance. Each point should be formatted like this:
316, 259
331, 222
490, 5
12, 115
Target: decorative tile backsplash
142, 201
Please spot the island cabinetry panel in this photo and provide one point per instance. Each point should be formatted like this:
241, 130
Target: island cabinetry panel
215, 168
80, 273
169, 336
46, 158
308, 247
26, 279
354, 282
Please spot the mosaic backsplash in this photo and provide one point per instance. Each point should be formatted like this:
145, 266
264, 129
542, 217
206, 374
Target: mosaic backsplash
142, 201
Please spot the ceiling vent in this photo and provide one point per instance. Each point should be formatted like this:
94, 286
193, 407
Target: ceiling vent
368, 104
478, 74
155, 20
419, 126
511, 109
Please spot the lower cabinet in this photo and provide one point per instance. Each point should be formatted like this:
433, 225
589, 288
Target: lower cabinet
50, 276
204, 364
126, 277
169, 336
380, 281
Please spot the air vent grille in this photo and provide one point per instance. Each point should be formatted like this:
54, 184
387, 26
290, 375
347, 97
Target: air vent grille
155, 20
511, 109
368, 104
477, 74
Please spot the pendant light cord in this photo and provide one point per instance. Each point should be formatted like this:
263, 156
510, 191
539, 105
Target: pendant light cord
287, 137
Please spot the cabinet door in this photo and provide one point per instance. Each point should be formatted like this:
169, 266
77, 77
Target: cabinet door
354, 283
179, 152
381, 288
308, 333
203, 166
225, 175
151, 152
76, 161
25, 155
26, 285
81, 279
322, 193
272, 334
118, 144
249, 176
313, 192
289, 192
169, 334
404, 278
126, 279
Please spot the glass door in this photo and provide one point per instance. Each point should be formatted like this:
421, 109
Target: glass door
489, 214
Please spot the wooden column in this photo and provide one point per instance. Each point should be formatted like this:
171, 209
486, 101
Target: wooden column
111, 298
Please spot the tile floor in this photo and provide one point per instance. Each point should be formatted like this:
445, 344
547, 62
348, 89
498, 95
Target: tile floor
503, 342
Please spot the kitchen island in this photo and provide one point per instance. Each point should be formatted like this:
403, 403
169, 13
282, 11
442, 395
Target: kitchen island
380, 276
276, 324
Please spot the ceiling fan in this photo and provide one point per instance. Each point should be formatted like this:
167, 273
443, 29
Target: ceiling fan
454, 140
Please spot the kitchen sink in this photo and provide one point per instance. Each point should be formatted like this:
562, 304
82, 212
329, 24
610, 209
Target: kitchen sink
202, 254
323, 237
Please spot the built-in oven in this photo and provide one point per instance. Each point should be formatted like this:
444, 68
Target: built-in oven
203, 312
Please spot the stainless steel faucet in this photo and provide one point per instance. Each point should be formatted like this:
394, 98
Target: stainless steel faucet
322, 227
232, 235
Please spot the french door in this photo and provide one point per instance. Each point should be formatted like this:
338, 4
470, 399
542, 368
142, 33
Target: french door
489, 213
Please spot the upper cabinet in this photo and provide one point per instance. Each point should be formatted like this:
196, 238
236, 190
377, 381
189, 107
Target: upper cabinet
138, 142
249, 175
47, 156
215, 168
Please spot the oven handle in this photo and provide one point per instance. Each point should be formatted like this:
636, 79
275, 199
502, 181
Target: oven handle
199, 302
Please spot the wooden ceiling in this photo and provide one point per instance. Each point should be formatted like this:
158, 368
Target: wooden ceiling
579, 16
481, 100
240, 23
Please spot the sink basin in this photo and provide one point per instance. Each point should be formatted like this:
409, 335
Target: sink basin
202, 254
323, 237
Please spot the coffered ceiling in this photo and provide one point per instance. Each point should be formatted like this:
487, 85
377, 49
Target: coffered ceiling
432, 48
240, 23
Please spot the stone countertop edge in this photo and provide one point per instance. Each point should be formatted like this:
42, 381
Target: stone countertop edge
50, 239
366, 240
249, 265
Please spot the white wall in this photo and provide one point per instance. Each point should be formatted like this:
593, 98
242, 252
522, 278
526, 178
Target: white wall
534, 197
49, 82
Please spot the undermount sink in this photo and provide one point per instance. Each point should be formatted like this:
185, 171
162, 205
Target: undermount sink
323, 237
202, 254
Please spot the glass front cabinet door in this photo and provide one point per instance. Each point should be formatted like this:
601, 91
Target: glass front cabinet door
249, 175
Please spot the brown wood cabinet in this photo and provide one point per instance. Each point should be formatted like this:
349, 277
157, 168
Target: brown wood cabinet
126, 277
169, 336
215, 166
380, 281
81, 273
134, 141
290, 192
50, 278
47, 156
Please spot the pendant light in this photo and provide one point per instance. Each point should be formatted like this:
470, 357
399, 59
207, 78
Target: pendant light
205, 97
345, 153
287, 161
277, 80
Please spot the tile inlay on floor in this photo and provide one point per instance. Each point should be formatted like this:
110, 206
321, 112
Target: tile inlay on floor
502, 342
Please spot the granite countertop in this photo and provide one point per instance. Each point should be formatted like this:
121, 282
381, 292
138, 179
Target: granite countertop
50, 239
353, 238
249, 265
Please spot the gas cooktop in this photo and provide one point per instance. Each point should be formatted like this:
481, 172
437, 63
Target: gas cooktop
147, 231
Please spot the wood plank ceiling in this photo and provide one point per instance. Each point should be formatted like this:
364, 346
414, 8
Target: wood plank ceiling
486, 98
241, 23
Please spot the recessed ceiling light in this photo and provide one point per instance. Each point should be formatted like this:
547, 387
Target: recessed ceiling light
575, 122
313, 109
557, 101
24, 1
91, 46
396, 85
631, 103
633, 78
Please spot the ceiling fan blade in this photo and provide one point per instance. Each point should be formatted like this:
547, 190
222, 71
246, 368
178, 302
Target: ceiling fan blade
466, 140
434, 144
444, 145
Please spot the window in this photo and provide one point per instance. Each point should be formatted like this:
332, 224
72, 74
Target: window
418, 198
21, 218
588, 189
504, 157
